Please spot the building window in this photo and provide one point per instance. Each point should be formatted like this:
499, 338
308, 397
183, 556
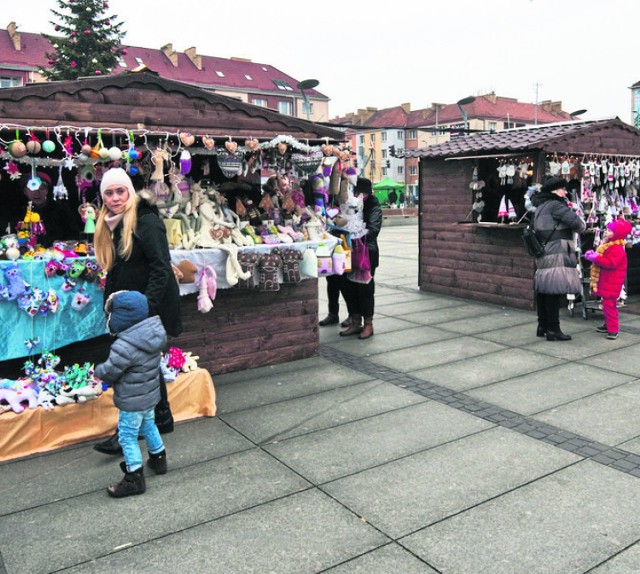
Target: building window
259, 102
219, 74
383, 136
285, 108
400, 170
139, 61
400, 135
248, 77
413, 170
384, 171
493, 126
361, 139
282, 85
307, 107
10, 82
384, 154
373, 138
413, 134
122, 63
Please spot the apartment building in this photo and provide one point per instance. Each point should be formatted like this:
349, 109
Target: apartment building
22, 56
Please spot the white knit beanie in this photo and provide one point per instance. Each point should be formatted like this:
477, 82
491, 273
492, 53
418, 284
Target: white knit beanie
116, 176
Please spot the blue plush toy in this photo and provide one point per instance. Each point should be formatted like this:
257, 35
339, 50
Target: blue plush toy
15, 283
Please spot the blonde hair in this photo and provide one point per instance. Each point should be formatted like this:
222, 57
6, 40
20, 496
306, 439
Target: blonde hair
105, 250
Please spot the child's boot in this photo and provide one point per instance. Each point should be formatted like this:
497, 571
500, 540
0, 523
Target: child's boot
132, 483
158, 462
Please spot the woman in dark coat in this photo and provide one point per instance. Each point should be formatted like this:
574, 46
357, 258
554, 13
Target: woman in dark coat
131, 246
360, 296
557, 273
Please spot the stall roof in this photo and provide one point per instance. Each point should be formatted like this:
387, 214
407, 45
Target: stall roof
559, 137
144, 100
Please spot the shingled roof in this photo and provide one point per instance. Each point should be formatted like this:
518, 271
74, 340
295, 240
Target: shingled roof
560, 137
144, 100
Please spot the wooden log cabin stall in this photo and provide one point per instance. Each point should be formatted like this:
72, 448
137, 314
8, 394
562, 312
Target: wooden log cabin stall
247, 327
472, 202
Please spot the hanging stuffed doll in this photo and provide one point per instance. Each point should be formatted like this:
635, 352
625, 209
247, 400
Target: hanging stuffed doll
320, 195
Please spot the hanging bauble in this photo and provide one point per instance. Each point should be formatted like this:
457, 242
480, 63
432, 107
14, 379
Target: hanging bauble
98, 72
208, 142
12, 253
103, 153
132, 153
17, 149
115, 153
231, 146
252, 144
187, 139
48, 146
185, 162
33, 146
86, 150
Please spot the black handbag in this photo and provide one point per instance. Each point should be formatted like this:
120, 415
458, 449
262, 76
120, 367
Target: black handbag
532, 242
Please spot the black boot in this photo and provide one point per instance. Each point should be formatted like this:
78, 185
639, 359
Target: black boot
330, 319
158, 462
557, 336
132, 483
541, 331
109, 446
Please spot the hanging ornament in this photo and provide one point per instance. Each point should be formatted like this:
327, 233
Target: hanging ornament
47, 145
187, 139
252, 144
68, 144
503, 212
208, 142
13, 170
33, 145
231, 146
16, 148
115, 153
59, 190
34, 182
185, 162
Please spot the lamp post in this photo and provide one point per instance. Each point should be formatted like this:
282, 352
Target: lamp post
573, 115
464, 102
307, 85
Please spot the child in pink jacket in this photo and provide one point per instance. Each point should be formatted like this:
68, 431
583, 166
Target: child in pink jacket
608, 273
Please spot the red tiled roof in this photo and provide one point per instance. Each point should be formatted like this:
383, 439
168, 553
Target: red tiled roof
546, 137
235, 72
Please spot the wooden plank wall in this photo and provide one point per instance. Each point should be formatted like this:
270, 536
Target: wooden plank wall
245, 329
467, 261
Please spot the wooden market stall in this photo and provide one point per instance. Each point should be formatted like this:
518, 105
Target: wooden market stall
245, 328
472, 202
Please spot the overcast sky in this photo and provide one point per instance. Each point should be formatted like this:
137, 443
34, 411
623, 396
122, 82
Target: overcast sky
580, 52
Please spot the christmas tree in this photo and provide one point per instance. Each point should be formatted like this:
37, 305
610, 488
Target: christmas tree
88, 43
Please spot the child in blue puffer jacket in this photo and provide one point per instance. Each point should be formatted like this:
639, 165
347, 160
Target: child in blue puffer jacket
132, 369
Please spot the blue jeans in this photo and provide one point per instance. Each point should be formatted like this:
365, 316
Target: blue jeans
134, 424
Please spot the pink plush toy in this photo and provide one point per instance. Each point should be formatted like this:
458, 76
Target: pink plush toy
17, 400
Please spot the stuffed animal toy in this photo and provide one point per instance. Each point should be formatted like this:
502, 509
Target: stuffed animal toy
207, 283
188, 271
80, 300
320, 195
90, 272
16, 285
74, 272
18, 399
190, 362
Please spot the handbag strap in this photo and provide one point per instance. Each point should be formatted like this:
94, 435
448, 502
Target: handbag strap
550, 236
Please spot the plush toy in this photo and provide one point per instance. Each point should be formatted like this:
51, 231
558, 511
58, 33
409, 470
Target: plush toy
90, 272
290, 264
73, 273
80, 300
207, 283
190, 362
16, 285
18, 399
188, 271
248, 261
320, 195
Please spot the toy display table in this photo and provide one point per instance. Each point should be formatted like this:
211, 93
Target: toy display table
191, 395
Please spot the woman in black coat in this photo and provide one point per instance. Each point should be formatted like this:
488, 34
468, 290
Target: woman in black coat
360, 296
131, 247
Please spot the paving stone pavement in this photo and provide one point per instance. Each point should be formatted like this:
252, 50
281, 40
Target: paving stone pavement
453, 441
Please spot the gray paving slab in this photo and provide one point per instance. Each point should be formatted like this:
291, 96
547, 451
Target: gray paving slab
545, 389
203, 492
283, 386
395, 296
79, 470
426, 316
621, 360
269, 370
564, 523
525, 334
486, 369
421, 305
339, 451
295, 417
307, 532
385, 342
447, 351
493, 321
627, 562
389, 558
610, 416
406, 495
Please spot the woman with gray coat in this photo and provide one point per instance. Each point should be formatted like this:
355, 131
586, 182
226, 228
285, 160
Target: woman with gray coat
556, 271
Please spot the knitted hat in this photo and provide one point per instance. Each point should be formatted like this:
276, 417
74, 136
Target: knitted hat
126, 309
363, 185
554, 183
116, 176
620, 228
